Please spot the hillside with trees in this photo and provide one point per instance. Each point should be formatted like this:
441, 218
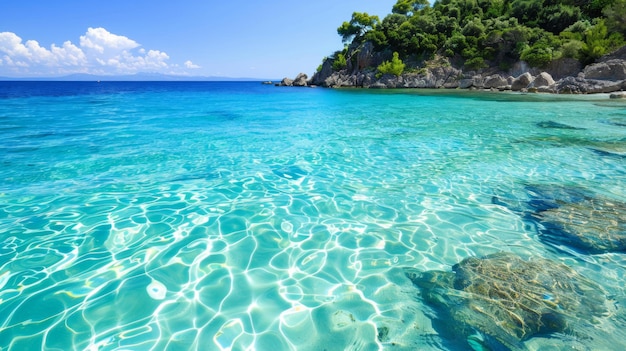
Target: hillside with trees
478, 35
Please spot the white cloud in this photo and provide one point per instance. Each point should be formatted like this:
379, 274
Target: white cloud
12, 45
100, 40
191, 65
98, 52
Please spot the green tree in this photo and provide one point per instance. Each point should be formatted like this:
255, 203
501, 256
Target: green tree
409, 7
598, 41
360, 23
556, 18
475, 63
339, 62
395, 66
539, 54
616, 16
526, 11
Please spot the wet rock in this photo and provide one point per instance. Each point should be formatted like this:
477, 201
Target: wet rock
508, 299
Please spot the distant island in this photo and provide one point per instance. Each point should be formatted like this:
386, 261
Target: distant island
571, 46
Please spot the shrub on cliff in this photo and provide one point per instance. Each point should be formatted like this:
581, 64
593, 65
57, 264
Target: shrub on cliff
395, 67
339, 62
539, 54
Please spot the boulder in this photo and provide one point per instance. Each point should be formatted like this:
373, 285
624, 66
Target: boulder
522, 82
365, 79
286, 82
580, 85
614, 70
544, 79
466, 83
300, 80
510, 80
495, 81
445, 76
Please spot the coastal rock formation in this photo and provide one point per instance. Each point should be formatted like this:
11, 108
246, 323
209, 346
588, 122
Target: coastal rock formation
564, 67
367, 57
522, 82
580, 85
299, 81
606, 76
613, 70
286, 82
495, 82
544, 79
323, 73
508, 299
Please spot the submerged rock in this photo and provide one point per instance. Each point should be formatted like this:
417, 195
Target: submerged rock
555, 125
503, 300
596, 225
573, 217
611, 149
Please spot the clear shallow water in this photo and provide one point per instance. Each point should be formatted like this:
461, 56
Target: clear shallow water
179, 216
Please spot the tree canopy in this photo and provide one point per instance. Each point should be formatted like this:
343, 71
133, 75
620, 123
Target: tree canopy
360, 23
481, 33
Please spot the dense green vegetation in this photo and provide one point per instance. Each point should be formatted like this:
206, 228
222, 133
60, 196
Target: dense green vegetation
395, 66
483, 33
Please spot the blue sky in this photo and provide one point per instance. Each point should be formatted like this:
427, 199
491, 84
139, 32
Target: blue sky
235, 38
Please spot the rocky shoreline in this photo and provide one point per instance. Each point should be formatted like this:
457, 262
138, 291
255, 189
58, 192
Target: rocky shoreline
606, 76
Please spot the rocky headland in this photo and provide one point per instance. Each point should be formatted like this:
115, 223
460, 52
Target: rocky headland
564, 76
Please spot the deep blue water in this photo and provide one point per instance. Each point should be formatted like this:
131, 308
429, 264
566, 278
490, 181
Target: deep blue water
241, 216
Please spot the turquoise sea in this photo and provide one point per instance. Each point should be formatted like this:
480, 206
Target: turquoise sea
242, 216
